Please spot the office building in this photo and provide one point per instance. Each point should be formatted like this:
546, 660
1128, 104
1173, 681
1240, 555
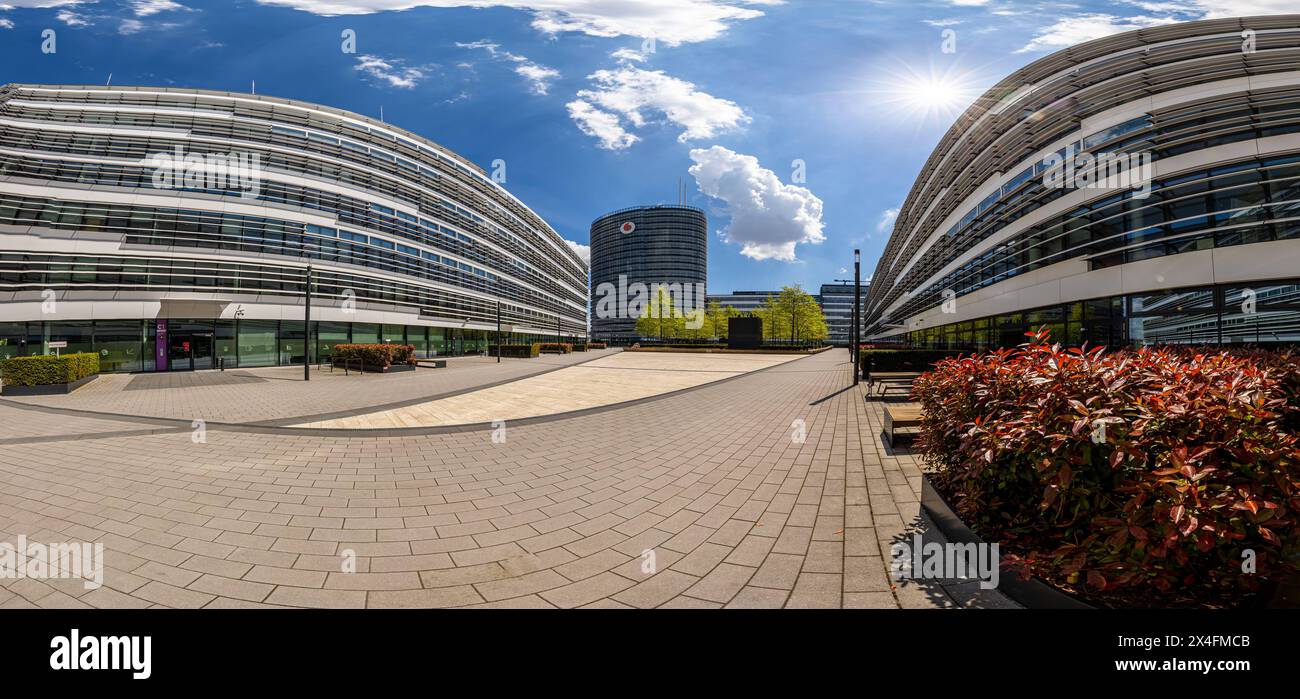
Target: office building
169, 228
1190, 234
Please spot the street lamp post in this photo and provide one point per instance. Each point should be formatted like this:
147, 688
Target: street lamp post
306, 331
857, 303
498, 331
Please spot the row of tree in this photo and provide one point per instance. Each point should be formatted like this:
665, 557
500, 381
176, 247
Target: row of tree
791, 314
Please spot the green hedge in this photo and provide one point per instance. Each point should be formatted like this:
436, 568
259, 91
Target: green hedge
47, 369
596, 345
375, 356
904, 359
516, 350
579, 347
556, 347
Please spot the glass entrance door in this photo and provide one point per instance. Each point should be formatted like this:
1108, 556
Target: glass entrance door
188, 351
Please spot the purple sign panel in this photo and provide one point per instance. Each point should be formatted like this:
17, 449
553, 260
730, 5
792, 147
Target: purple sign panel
160, 346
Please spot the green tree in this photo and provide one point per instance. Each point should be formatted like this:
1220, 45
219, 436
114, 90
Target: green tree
661, 318
715, 319
792, 314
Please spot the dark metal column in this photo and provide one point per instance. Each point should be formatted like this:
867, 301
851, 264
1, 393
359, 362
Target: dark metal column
857, 304
306, 331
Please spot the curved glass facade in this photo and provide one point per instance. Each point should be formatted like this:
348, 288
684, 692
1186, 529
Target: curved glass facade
988, 233
155, 204
645, 245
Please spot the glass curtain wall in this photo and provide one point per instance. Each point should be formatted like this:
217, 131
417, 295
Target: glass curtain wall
257, 343
1266, 314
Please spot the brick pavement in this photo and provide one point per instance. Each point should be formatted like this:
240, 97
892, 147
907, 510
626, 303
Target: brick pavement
737, 510
279, 393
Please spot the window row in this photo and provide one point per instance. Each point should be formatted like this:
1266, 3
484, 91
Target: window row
174, 344
1264, 314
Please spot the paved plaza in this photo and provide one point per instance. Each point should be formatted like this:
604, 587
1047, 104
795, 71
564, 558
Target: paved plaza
278, 393
619, 378
768, 489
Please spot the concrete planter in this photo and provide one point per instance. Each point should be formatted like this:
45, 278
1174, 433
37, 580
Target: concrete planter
1032, 593
52, 389
1036, 594
392, 369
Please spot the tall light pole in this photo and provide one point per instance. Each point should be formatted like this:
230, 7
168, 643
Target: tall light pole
306, 331
498, 330
857, 303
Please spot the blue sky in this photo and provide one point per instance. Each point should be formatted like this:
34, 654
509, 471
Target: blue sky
798, 126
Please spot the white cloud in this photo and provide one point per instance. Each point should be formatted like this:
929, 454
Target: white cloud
539, 77
670, 21
1216, 9
130, 26
1080, 28
144, 8
1071, 30
624, 55
583, 251
768, 218
970, 3
600, 125
6, 23
390, 71
638, 96
72, 19
11, 4
886, 222
942, 22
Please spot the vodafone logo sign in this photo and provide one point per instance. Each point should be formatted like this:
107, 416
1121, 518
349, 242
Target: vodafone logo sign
627, 227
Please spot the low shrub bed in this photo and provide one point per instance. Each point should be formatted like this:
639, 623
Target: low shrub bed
904, 359
47, 369
556, 347
722, 349
1132, 478
683, 345
516, 350
374, 356
596, 345
579, 347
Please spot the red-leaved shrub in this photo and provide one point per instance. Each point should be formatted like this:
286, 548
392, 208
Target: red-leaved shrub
375, 356
1147, 476
556, 347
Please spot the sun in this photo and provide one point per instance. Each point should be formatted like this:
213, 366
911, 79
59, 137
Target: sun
934, 94
928, 95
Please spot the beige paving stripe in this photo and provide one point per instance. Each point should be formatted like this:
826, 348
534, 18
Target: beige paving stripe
616, 379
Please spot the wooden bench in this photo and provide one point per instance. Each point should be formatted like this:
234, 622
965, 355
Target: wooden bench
900, 416
891, 379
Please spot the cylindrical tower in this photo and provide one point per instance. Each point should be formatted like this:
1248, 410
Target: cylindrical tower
646, 245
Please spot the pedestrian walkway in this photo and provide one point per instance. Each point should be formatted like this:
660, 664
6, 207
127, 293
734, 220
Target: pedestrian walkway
771, 489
